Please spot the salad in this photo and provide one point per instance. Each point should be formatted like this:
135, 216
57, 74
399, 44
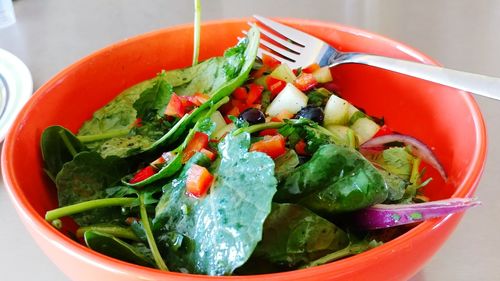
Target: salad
237, 165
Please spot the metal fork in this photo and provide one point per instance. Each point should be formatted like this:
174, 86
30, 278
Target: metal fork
301, 49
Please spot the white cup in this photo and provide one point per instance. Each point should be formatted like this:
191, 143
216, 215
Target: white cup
7, 16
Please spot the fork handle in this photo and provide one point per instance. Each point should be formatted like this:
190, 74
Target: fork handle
474, 83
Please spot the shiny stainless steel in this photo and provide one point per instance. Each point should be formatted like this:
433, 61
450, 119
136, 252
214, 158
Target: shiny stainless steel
302, 49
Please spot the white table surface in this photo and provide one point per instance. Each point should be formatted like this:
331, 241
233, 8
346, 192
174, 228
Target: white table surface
51, 34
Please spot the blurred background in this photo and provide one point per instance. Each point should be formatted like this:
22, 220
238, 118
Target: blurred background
462, 34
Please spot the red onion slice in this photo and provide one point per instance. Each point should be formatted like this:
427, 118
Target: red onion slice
419, 149
385, 215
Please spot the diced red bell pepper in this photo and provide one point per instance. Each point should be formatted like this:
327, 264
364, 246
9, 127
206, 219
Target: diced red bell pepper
259, 72
143, 174
282, 116
158, 162
198, 180
254, 93
274, 146
269, 61
274, 85
300, 148
131, 220
311, 68
268, 132
384, 130
175, 106
187, 101
210, 154
137, 123
196, 144
241, 105
305, 82
240, 93
195, 100
234, 111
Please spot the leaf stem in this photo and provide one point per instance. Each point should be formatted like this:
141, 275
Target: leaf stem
67, 143
259, 127
116, 231
85, 206
351, 249
197, 27
149, 235
107, 135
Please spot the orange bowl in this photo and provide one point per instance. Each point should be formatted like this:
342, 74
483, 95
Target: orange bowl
448, 120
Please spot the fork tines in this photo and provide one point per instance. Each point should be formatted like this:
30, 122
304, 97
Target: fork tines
281, 42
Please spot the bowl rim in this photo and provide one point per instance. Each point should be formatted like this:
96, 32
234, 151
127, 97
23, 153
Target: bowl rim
37, 224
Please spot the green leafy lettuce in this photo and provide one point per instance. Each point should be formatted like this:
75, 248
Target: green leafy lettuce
114, 130
217, 233
293, 236
85, 178
336, 179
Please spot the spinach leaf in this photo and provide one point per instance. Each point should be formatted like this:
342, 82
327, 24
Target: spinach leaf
58, 146
237, 64
293, 235
115, 230
205, 125
153, 101
85, 178
124, 146
219, 231
201, 78
217, 76
166, 171
118, 115
285, 164
109, 245
335, 180
354, 248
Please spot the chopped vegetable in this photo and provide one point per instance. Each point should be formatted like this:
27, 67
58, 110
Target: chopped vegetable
274, 146
283, 72
143, 174
365, 129
301, 148
290, 99
311, 68
305, 82
198, 180
196, 144
323, 75
269, 61
336, 111
240, 93
175, 107
254, 93
275, 85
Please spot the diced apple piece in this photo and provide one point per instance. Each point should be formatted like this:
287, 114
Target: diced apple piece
283, 72
343, 135
219, 134
219, 121
336, 111
323, 75
365, 129
351, 110
290, 99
